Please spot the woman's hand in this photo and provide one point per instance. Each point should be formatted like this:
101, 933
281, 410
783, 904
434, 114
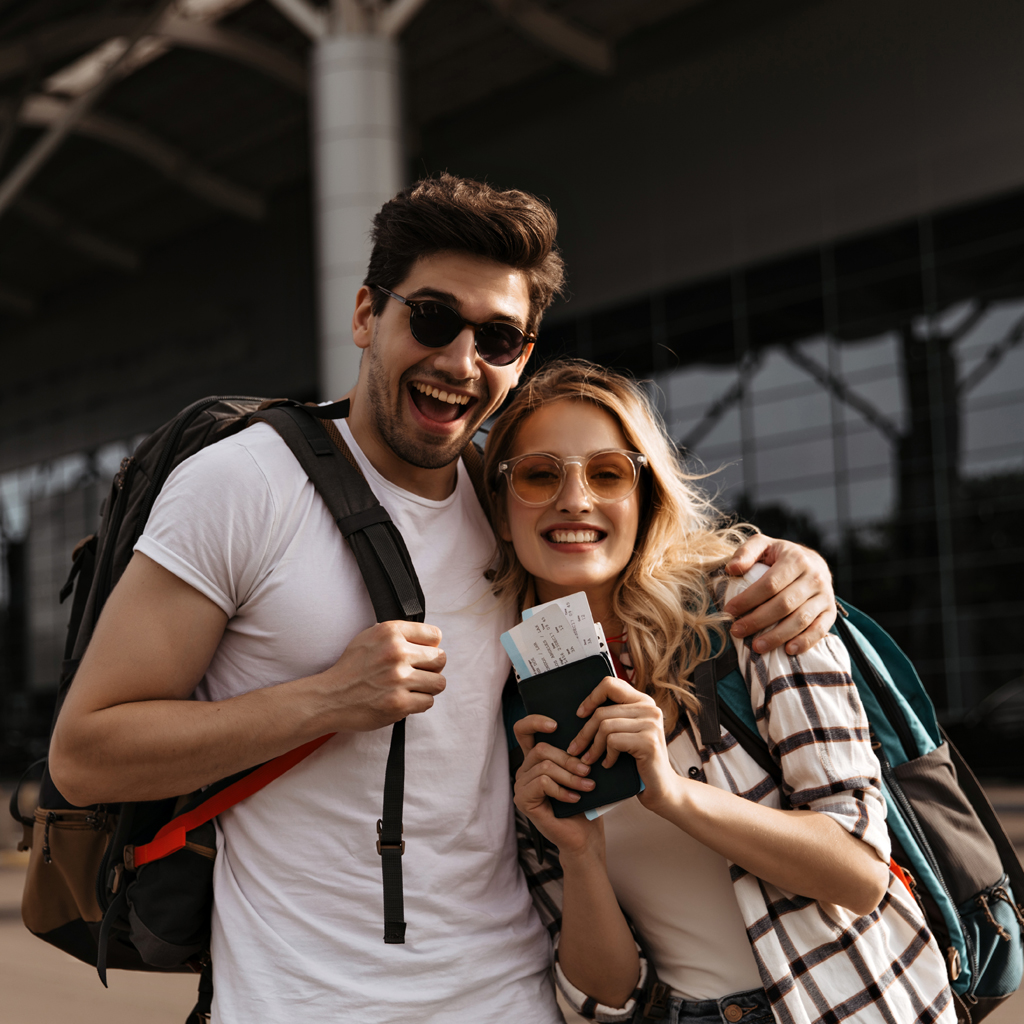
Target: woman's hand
547, 772
632, 725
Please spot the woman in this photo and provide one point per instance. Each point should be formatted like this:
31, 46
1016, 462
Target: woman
750, 911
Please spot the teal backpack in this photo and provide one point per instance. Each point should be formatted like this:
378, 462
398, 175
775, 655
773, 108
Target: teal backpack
955, 855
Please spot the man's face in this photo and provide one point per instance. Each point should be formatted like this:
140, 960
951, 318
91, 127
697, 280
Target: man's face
401, 375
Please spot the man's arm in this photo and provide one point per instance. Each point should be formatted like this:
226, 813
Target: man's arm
129, 730
796, 594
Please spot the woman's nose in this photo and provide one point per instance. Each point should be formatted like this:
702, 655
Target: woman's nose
574, 497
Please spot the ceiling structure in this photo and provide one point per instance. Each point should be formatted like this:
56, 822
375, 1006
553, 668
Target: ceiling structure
156, 224
207, 117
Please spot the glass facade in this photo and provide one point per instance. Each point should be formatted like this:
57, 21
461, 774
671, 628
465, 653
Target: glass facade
866, 398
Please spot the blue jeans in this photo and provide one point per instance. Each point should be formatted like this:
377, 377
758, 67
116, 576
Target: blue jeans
749, 1007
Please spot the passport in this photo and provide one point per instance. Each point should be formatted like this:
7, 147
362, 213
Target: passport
557, 694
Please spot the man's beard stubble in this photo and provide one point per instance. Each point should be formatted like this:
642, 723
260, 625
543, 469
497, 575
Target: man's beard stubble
422, 452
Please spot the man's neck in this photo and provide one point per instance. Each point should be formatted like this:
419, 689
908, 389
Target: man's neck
433, 484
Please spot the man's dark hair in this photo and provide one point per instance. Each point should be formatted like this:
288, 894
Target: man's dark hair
459, 215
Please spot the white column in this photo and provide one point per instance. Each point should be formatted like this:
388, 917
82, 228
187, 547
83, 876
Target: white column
357, 167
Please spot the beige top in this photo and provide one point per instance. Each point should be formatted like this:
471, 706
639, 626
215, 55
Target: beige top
680, 897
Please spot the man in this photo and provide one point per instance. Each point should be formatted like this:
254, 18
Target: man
243, 594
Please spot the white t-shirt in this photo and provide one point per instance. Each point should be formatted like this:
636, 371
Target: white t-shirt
298, 916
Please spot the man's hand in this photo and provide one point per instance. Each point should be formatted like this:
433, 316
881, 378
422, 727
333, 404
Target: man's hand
128, 730
387, 672
796, 594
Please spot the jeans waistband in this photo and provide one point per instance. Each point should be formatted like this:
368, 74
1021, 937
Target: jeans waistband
750, 1007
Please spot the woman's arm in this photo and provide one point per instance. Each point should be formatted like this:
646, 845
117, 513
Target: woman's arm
801, 851
596, 951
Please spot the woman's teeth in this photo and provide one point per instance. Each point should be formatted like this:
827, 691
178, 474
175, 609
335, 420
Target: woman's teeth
573, 536
441, 396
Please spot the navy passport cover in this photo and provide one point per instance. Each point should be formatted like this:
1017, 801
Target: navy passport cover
558, 694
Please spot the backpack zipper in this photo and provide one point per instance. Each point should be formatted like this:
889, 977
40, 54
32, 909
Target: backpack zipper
74, 820
915, 826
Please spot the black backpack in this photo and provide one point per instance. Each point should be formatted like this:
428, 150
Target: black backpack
131, 885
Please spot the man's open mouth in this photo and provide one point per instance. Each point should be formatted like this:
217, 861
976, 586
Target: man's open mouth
437, 404
574, 536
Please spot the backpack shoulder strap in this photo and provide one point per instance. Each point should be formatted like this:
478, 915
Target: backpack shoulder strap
376, 543
390, 579
395, 593
720, 702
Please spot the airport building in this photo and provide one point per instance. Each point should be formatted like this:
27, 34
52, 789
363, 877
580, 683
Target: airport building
801, 220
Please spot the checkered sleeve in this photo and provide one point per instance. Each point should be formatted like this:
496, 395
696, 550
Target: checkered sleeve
809, 712
588, 1007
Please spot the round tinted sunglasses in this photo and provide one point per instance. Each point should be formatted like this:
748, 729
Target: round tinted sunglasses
537, 478
434, 325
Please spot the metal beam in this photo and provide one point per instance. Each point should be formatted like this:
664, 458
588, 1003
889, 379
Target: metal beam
66, 38
581, 47
970, 321
243, 49
76, 236
70, 38
992, 358
838, 388
34, 160
42, 111
393, 18
16, 301
721, 405
304, 16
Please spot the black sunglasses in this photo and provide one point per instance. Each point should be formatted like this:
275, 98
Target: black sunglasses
434, 325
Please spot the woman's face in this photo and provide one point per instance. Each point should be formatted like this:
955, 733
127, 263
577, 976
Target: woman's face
542, 535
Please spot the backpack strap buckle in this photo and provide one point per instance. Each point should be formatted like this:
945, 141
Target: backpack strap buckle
382, 846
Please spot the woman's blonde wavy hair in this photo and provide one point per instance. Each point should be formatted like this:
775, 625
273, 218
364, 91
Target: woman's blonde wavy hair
663, 596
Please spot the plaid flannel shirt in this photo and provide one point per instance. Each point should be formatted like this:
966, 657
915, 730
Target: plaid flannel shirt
819, 963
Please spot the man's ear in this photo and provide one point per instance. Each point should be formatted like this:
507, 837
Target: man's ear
523, 358
362, 318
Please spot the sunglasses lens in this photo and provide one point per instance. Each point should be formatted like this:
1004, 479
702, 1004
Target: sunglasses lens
537, 479
499, 344
610, 476
434, 324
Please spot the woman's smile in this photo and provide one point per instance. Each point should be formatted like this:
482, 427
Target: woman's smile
573, 542
573, 535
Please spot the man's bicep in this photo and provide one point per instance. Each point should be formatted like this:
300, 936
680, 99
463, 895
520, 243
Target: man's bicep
154, 641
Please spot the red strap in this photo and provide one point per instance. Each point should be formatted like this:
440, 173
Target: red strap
901, 875
171, 837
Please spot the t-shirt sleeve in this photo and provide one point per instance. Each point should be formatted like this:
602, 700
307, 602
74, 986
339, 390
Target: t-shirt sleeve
212, 524
810, 713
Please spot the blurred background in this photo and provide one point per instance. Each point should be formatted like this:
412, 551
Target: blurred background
801, 220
